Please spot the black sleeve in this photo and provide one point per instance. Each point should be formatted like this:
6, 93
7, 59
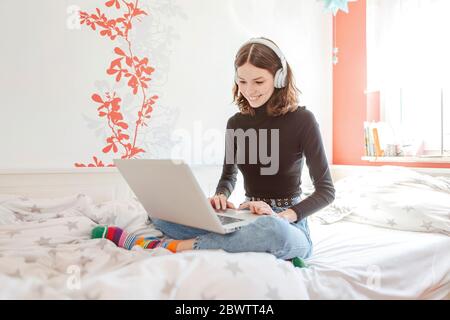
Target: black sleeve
227, 181
319, 172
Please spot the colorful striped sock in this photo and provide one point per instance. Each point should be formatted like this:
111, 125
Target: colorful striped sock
127, 241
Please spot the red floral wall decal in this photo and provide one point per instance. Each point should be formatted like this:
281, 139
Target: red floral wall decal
125, 67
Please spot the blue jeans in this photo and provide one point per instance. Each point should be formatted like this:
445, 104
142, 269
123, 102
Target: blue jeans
268, 234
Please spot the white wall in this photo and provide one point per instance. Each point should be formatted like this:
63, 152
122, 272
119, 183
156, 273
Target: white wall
50, 69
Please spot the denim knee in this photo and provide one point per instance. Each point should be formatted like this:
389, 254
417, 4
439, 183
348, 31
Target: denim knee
283, 240
162, 225
276, 231
158, 223
177, 231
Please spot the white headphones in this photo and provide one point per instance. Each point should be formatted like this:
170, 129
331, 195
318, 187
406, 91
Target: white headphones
281, 74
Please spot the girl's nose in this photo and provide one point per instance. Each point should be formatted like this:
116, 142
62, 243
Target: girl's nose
251, 91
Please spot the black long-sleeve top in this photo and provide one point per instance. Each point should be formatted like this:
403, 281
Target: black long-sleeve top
299, 139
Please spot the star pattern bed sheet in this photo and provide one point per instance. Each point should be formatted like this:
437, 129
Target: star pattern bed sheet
46, 253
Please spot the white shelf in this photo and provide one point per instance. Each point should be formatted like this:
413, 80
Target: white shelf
427, 159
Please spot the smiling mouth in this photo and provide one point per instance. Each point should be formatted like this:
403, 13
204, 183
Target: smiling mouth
254, 98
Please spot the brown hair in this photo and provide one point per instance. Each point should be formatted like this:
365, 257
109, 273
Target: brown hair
283, 100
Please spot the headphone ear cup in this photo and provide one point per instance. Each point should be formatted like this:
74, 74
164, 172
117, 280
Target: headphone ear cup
279, 79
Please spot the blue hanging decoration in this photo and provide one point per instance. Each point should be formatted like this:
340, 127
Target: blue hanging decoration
335, 48
335, 5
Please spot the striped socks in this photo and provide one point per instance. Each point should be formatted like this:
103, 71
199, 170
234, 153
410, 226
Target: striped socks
127, 241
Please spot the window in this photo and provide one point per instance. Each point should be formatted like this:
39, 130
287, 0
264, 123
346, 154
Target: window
408, 60
419, 117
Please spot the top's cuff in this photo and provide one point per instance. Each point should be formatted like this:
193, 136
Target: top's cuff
225, 192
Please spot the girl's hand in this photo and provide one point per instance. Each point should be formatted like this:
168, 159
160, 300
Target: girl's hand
220, 202
289, 215
257, 207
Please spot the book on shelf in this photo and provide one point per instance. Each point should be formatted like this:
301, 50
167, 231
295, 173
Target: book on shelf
373, 139
376, 142
366, 142
368, 139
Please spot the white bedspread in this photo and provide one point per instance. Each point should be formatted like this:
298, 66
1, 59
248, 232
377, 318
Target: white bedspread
357, 261
46, 253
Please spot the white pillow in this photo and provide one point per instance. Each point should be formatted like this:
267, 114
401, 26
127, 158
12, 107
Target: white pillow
392, 197
128, 215
17, 208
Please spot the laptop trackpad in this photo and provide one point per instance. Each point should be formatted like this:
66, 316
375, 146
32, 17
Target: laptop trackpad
228, 220
238, 214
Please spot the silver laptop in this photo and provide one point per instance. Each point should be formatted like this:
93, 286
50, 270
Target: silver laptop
168, 190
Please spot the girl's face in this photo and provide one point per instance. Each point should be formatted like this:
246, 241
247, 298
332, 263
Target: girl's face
255, 84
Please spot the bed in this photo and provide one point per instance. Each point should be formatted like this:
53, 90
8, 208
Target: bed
46, 217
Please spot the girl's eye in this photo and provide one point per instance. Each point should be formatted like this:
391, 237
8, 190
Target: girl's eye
259, 82
242, 82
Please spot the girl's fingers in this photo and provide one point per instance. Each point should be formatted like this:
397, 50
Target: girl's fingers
230, 205
256, 208
223, 203
244, 205
216, 203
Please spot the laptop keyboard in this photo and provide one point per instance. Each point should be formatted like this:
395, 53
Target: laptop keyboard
227, 220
